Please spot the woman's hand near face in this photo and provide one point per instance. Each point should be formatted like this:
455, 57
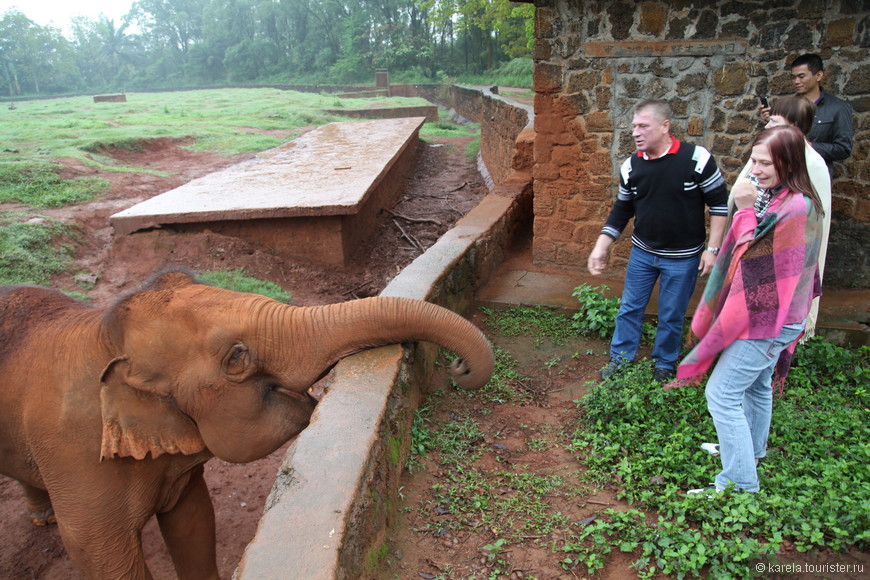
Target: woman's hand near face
745, 194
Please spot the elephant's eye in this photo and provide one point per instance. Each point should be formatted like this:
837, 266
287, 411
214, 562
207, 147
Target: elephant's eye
238, 360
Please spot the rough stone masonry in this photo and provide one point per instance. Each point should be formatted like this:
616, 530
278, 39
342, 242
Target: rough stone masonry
595, 60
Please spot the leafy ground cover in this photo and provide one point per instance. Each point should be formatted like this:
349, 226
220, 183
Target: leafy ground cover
549, 472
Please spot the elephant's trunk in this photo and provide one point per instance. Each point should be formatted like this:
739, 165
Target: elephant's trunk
338, 330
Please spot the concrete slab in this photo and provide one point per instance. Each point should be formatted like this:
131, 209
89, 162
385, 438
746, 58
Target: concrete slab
341, 173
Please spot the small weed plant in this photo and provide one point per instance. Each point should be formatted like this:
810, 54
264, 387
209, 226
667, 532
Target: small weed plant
597, 315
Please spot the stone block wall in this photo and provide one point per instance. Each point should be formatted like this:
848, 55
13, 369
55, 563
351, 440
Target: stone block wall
594, 61
506, 133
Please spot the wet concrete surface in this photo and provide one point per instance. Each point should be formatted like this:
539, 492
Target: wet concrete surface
328, 171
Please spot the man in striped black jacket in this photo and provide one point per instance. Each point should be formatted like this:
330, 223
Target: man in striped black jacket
665, 187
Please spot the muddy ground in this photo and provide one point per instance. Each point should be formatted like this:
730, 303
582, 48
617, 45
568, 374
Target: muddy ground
442, 187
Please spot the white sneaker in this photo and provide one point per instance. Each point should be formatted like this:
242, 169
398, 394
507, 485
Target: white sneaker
711, 448
709, 492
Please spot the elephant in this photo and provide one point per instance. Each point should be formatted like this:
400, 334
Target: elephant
109, 414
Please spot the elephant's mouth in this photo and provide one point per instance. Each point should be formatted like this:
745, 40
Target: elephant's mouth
308, 397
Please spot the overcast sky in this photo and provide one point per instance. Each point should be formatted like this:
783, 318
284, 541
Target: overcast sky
58, 13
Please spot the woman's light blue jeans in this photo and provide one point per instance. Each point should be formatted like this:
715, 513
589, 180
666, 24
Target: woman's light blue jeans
678, 277
740, 400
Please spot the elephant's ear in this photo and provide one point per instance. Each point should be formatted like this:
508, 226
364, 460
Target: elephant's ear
137, 422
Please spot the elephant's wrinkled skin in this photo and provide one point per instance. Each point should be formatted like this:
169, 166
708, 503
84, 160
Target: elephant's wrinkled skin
107, 416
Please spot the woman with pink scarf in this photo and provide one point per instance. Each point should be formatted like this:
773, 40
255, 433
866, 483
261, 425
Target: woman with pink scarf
755, 304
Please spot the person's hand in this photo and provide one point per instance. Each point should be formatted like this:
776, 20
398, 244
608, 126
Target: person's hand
597, 261
707, 261
764, 112
744, 193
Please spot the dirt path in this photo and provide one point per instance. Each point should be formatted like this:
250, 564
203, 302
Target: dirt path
444, 186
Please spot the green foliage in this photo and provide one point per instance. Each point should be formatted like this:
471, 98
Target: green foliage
597, 315
472, 149
815, 479
514, 73
537, 321
448, 129
199, 43
33, 248
239, 281
37, 184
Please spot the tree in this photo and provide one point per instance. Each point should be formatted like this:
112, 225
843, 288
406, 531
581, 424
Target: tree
108, 56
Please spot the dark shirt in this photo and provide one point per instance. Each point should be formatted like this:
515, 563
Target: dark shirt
831, 134
666, 197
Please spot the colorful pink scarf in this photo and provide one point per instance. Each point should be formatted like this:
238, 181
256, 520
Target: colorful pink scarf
766, 276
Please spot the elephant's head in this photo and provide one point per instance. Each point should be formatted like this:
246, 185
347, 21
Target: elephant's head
202, 368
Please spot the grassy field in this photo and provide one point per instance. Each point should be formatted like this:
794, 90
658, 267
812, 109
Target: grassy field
36, 134
216, 120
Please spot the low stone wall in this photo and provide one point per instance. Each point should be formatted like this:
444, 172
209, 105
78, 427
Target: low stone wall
506, 127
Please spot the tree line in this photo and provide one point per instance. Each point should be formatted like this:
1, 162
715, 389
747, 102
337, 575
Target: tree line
172, 43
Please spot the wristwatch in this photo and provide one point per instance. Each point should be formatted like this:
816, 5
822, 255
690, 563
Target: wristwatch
714, 251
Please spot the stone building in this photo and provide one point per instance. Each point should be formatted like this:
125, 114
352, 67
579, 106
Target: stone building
709, 58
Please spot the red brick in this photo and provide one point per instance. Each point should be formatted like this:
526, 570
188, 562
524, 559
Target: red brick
565, 155
598, 122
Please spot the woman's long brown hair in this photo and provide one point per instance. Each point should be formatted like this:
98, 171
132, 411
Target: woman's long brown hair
787, 148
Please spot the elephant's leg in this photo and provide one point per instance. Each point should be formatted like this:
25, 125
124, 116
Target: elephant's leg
103, 549
38, 505
100, 516
189, 532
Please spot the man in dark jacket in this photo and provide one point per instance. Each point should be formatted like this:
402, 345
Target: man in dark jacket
665, 188
831, 134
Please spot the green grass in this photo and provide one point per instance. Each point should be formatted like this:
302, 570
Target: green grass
33, 248
515, 73
225, 121
448, 129
536, 321
239, 281
36, 183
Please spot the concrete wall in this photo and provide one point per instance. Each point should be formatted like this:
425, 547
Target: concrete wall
595, 60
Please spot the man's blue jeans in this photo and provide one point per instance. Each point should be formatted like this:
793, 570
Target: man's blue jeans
678, 277
740, 400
